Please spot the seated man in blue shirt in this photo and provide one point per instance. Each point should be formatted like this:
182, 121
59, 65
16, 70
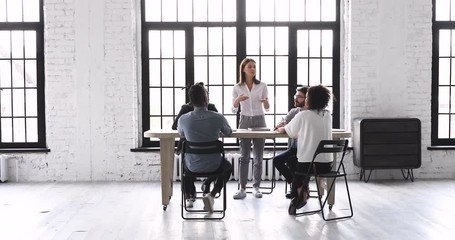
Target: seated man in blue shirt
202, 125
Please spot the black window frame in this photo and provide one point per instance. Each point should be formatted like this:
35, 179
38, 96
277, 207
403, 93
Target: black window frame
38, 27
240, 25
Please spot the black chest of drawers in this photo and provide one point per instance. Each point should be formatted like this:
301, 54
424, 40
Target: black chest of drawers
387, 143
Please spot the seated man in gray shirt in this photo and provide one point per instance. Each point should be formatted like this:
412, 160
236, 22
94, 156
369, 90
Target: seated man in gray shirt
202, 125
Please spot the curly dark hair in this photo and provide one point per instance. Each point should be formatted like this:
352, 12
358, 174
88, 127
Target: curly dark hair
318, 97
198, 95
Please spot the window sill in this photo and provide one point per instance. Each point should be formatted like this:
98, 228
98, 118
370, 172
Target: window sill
435, 148
145, 149
24, 150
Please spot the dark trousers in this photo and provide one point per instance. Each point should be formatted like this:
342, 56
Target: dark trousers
225, 167
285, 163
304, 170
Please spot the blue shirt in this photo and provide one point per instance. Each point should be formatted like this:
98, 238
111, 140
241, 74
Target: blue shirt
202, 125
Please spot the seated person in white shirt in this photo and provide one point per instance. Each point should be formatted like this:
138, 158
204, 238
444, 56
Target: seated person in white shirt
309, 127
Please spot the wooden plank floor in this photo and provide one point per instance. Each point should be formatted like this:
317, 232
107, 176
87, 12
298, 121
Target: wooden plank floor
397, 209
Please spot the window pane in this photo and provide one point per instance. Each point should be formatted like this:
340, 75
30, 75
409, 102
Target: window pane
179, 44
267, 10
7, 130
154, 44
31, 10
302, 43
30, 44
452, 78
452, 126
443, 98
155, 73
315, 72
215, 41
167, 99
167, 73
302, 72
315, 43
267, 40
227, 106
2, 10
230, 71
327, 43
444, 71
200, 41
30, 73
269, 121
215, 96
31, 106
281, 99
252, 40
442, 10
185, 11
327, 68
215, 70
179, 73
272, 100
167, 47
200, 69
17, 44
155, 122
452, 36
328, 10
200, 10
5, 44
230, 42
252, 10
167, 122
452, 101
268, 70
281, 10
215, 10
313, 10
443, 126
444, 43
32, 130
297, 10
155, 101
281, 41
452, 10
282, 76
18, 102
7, 109
14, 9
153, 11
5, 73
180, 95
169, 10
229, 11
18, 73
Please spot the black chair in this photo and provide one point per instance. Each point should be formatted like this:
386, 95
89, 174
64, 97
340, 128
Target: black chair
338, 149
202, 148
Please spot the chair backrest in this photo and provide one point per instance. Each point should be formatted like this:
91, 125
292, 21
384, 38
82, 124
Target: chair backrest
203, 147
333, 146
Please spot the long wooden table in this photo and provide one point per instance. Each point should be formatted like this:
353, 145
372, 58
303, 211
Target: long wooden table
167, 143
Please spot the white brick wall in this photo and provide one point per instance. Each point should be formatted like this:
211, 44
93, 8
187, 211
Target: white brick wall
92, 105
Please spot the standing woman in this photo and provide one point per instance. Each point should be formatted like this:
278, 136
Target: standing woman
251, 95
